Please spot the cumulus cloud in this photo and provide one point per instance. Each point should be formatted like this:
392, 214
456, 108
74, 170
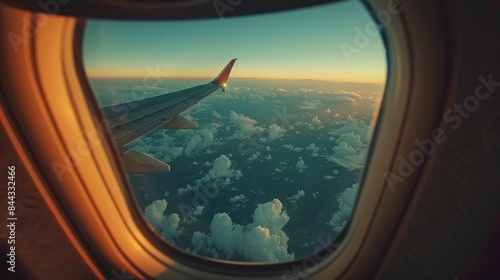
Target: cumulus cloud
275, 131
314, 149
246, 126
351, 144
292, 148
221, 173
198, 210
347, 156
237, 198
315, 194
202, 139
254, 156
346, 202
328, 177
300, 165
294, 198
263, 240
316, 120
167, 147
166, 225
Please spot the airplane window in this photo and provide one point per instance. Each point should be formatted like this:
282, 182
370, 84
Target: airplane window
261, 163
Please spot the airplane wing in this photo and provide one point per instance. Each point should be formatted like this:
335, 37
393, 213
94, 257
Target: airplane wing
132, 120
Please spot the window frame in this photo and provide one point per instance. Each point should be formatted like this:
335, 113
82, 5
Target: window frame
99, 206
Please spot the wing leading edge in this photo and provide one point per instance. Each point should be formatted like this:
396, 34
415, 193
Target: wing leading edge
132, 120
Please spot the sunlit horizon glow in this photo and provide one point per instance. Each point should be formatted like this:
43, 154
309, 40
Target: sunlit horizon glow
294, 45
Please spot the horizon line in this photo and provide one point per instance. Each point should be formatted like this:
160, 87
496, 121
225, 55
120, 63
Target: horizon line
211, 78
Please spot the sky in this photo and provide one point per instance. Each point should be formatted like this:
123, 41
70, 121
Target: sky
299, 44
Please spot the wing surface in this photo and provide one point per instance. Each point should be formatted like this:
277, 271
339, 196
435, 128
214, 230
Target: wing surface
132, 120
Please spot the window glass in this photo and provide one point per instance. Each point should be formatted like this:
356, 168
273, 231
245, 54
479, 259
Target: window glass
273, 169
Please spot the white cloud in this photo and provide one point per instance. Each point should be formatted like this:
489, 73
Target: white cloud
314, 149
275, 131
263, 240
246, 126
198, 210
328, 177
292, 148
310, 104
351, 144
166, 225
221, 172
167, 147
347, 156
346, 202
202, 139
316, 120
254, 156
237, 198
216, 115
294, 198
193, 142
315, 194
301, 165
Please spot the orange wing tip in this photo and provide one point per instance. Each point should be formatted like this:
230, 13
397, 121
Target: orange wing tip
224, 75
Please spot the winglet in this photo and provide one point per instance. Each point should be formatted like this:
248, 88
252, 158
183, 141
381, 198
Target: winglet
224, 75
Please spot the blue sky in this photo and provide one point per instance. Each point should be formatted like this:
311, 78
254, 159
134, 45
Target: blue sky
300, 44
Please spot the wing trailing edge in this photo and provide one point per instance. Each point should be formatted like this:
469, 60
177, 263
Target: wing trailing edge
136, 162
179, 123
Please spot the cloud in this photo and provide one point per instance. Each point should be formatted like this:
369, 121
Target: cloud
198, 210
346, 202
316, 120
222, 169
254, 156
275, 132
301, 165
202, 139
237, 198
310, 104
314, 149
347, 156
263, 240
351, 146
294, 198
246, 126
292, 148
216, 115
167, 147
221, 173
166, 225
328, 177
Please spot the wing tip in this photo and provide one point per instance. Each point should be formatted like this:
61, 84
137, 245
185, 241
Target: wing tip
224, 75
